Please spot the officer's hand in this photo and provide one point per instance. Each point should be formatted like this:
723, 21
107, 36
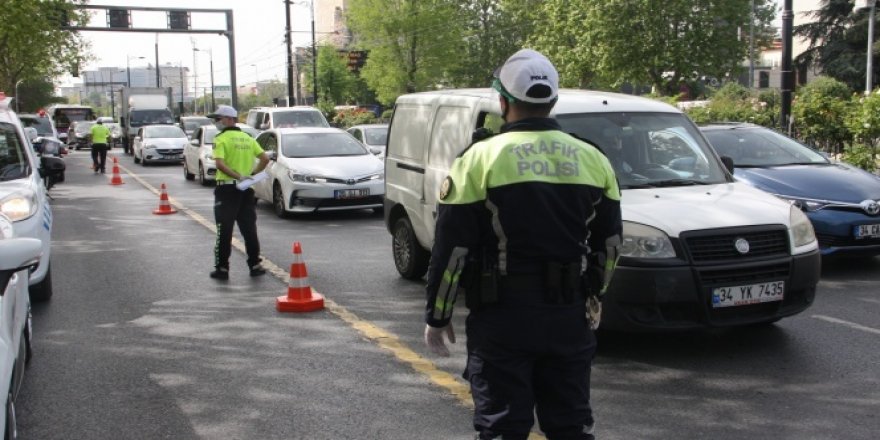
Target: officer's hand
434, 339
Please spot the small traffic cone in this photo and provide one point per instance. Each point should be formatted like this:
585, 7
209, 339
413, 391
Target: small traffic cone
300, 297
116, 179
164, 207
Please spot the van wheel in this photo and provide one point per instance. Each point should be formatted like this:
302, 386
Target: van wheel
410, 258
42, 291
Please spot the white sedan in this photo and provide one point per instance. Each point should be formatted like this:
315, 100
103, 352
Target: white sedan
319, 169
16, 255
159, 143
198, 155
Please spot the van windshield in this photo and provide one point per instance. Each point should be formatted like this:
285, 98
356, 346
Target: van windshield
649, 149
298, 118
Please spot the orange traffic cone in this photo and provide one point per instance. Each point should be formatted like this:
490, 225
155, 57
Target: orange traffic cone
164, 206
300, 297
116, 179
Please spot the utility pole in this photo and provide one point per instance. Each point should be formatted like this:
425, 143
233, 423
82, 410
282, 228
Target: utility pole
787, 73
752, 45
158, 84
314, 60
289, 54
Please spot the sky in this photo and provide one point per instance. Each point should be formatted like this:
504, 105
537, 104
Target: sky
258, 25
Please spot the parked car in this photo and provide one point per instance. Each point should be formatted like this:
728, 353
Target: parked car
42, 123
189, 124
17, 255
841, 201
23, 196
267, 118
699, 249
319, 169
198, 154
158, 143
115, 134
82, 134
374, 136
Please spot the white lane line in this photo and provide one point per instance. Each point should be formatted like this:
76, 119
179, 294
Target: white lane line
869, 300
848, 324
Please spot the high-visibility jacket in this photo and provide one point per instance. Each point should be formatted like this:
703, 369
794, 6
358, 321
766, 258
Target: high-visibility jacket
100, 134
530, 195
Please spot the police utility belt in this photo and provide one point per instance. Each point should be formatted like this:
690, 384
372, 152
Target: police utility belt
227, 182
555, 283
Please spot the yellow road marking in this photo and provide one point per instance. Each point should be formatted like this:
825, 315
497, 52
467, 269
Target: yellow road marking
378, 335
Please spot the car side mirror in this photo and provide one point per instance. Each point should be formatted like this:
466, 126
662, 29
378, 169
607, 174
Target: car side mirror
264, 126
273, 155
728, 163
194, 142
375, 150
19, 253
31, 133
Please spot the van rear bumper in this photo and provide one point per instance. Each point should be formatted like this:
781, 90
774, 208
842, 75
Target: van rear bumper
680, 297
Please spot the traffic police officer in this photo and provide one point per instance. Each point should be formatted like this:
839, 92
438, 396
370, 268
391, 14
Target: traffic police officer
234, 154
100, 135
528, 227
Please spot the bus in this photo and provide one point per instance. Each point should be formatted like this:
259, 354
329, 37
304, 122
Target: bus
63, 114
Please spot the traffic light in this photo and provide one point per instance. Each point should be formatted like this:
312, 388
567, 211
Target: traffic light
356, 60
118, 19
178, 20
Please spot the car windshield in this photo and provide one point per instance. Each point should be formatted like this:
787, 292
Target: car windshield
376, 136
14, 162
212, 131
145, 117
192, 124
43, 125
648, 149
320, 145
761, 147
83, 127
164, 131
299, 119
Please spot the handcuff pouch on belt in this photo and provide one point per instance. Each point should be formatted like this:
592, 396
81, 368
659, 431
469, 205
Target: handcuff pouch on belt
480, 281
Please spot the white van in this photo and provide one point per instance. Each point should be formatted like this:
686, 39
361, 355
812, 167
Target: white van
267, 118
699, 249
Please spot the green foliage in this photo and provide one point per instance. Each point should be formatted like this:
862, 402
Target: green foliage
735, 103
336, 83
820, 112
36, 94
607, 43
861, 156
864, 122
33, 45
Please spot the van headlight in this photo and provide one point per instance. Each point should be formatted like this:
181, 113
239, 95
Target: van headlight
801, 229
640, 241
19, 206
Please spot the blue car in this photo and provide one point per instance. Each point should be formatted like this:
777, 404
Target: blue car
841, 201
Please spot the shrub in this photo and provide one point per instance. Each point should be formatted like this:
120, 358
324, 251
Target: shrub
861, 156
348, 118
820, 112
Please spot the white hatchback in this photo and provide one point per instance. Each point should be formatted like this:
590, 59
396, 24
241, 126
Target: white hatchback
319, 169
198, 155
159, 143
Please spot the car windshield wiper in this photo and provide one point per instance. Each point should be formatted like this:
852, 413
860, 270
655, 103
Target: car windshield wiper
637, 186
801, 163
678, 182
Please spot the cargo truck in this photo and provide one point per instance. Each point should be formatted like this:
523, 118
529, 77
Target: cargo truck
141, 106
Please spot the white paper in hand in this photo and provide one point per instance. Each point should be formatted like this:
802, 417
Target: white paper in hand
250, 181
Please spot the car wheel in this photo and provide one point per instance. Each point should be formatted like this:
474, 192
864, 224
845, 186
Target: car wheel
28, 339
11, 426
202, 178
42, 291
278, 201
135, 156
186, 174
410, 259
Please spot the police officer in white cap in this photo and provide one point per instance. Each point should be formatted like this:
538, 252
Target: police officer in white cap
528, 229
234, 154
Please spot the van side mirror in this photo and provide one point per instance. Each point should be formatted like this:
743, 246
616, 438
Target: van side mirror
728, 163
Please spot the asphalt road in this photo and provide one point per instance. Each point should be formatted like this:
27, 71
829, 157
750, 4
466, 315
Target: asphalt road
138, 342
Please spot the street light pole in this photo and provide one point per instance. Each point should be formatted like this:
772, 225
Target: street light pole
211, 55
17, 105
128, 68
195, 79
314, 60
869, 76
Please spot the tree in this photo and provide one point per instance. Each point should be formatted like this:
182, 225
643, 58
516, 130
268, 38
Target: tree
411, 43
838, 43
336, 84
32, 44
820, 112
36, 94
606, 43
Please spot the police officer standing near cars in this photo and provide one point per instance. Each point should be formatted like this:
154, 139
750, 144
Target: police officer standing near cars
100, 136
234, 154
528, 227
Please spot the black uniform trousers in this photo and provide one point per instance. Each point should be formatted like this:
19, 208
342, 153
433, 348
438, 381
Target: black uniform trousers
234, 206
525, 357
99, 157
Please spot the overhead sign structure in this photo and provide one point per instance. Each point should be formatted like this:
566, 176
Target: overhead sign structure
179, 21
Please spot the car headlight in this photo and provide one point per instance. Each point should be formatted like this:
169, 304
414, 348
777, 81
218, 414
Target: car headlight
801, 229
640, 241
805, 204
302, 177
376, 177
19, 206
